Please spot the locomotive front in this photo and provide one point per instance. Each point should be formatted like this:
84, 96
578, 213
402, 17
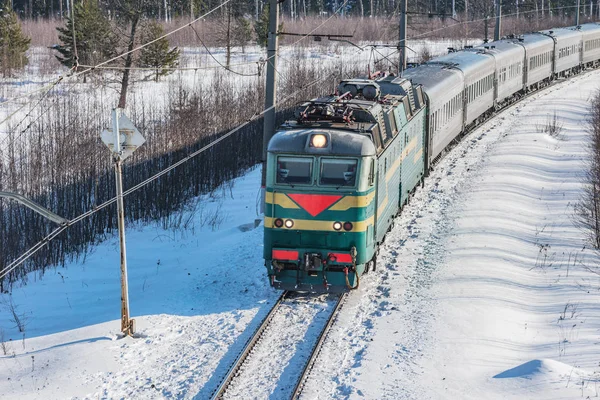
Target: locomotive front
319, 208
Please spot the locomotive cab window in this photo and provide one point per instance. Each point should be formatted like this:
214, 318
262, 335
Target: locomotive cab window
338, 172
294, 170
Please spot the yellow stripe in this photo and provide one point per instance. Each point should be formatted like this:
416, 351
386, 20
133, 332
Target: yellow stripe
417, 156
411, 146
280, 199
383, 204
345, 203
313, 225
388, 176
348, 202
392, 170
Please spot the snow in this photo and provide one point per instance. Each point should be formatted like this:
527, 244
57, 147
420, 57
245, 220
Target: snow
464, 293
192, 293
477, 293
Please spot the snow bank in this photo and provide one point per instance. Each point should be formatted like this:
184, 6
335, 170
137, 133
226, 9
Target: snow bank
479, 276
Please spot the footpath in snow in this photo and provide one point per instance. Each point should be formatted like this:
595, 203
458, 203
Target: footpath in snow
476, 296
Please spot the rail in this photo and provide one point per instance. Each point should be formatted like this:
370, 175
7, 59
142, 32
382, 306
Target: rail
241, 358
317, 349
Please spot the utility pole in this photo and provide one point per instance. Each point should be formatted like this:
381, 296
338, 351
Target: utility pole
126, 326
122, 141
453, 8
467, 17
577, 13
271, 90
486, 24
402, 37
498, 29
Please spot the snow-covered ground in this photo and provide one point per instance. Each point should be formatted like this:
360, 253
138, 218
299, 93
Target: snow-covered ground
477, 294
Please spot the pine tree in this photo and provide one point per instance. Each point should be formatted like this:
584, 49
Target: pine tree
13, 43
157, 55
94, 37
261, 27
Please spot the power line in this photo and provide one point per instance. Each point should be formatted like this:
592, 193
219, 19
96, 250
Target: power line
104, 63
117, 67
190, 24
47, 88
214, 58
21, 259
86, 70
29, 113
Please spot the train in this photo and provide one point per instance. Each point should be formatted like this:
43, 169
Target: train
340, 172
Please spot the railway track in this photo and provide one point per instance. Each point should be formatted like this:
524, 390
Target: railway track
246, 355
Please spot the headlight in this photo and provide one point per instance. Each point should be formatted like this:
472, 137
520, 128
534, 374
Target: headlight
337, 225
289, 223
278, 222
318, 141
347, 226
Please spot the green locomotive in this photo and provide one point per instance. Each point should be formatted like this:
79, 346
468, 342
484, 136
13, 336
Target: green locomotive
336, 178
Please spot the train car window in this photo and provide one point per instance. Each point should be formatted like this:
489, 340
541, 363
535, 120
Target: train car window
372, 173
294, 170
338, 172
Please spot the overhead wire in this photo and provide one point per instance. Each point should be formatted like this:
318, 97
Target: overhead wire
63, 227
103, 64
75, 73
214, 58
52, 235
47, 90
144, 45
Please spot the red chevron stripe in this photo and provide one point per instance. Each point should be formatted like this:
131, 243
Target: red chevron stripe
314, 204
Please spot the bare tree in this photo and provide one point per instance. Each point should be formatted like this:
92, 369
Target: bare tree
588, 209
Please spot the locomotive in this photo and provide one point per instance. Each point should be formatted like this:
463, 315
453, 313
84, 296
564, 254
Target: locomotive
340, 172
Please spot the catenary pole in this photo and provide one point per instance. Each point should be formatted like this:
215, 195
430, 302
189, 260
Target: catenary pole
402, 37
577, 13
498, 28
271, 90
126, 325
122, 141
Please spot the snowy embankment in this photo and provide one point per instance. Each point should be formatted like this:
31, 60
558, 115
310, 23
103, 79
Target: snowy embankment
473, 296
193, 294
481, 292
